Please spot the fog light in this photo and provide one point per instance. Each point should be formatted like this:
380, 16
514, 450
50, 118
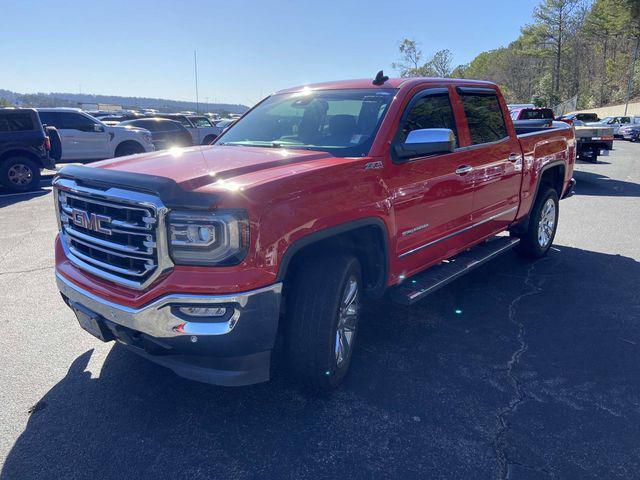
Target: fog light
203, 311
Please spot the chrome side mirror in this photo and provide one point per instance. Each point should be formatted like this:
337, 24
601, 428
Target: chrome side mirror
426, 141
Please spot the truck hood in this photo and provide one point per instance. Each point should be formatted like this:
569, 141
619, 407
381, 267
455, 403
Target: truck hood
204, 168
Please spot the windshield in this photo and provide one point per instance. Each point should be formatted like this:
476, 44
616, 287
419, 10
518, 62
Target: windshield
342, 122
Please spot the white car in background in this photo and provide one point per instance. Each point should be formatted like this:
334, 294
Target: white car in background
84, 137
613, 122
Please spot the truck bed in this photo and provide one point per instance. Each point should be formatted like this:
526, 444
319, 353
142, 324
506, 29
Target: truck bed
526, 127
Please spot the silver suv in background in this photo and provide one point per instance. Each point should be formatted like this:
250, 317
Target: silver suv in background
84, 137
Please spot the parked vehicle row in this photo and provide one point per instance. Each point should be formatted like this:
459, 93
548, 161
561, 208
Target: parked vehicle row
631, 132
202, 131
315, 198
164, 133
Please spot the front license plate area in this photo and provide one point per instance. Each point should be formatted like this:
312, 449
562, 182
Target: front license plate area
91, 323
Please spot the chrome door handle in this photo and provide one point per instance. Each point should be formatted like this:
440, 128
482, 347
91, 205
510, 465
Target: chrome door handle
514, 157
463, 169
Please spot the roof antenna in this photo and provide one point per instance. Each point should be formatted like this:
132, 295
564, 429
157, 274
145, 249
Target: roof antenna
380, 78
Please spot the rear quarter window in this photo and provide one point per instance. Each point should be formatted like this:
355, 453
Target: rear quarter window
16, 122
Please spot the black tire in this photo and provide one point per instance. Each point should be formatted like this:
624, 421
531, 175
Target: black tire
209, 139
594, 154
13, 171
314, 300
129, 148
530, 243
56, 143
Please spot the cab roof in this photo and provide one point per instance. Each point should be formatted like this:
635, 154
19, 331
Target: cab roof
391, 83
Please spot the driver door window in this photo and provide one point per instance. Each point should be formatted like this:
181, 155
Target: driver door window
432, 111
75, 121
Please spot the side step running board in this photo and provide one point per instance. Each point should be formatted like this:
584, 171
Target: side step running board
422, 284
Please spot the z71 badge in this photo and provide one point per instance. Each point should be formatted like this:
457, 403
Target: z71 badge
373, 165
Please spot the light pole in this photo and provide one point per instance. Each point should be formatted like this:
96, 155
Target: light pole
195, 66
632, 74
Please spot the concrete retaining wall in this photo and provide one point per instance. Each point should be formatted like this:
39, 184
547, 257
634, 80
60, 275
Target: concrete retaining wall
614, 110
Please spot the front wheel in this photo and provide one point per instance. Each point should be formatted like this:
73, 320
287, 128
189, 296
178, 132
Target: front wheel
538, 238
20, 174
323, 311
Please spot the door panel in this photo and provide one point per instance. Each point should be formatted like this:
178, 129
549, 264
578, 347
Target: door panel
69, 143
496, 159
497, 174
430, 200
86, 142
91, 145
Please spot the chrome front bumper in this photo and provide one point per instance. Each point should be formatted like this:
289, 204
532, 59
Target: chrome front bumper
158, 319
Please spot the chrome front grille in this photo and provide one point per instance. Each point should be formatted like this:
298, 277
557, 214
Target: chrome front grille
115, 234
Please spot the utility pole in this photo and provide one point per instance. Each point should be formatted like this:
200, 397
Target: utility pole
632, 74
195, 66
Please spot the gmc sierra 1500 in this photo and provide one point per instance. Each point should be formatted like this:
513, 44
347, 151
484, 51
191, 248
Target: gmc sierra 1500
199, 258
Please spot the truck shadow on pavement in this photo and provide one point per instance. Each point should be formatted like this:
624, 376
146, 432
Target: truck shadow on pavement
589, 183
11, 198
519, 366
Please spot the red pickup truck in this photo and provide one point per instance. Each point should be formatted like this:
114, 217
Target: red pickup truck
200, 259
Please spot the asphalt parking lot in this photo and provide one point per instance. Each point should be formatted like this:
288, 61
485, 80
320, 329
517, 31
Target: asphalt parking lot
522, 370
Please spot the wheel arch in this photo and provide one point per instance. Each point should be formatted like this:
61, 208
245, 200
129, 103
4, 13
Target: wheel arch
20, 152
366, 238
128, 142
553, 175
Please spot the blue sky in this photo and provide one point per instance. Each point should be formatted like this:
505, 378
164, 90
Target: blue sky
246, 49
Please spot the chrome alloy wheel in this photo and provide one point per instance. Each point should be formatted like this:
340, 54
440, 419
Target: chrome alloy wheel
347, 321
20, 174
547, 223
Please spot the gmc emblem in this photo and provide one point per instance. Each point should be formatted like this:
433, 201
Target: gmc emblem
90, 221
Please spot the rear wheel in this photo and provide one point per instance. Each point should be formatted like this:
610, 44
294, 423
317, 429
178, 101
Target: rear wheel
209, 139
20, 174
323, 311
538, 238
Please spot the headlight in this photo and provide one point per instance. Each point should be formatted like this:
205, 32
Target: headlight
208, 238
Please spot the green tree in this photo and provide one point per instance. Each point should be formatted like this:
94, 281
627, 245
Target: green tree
411, 62
555, 24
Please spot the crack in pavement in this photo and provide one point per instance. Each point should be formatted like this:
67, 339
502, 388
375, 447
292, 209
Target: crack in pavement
519, 396
26, 271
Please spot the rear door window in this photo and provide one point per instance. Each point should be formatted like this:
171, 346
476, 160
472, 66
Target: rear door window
53, 119
16, 122
484, 117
